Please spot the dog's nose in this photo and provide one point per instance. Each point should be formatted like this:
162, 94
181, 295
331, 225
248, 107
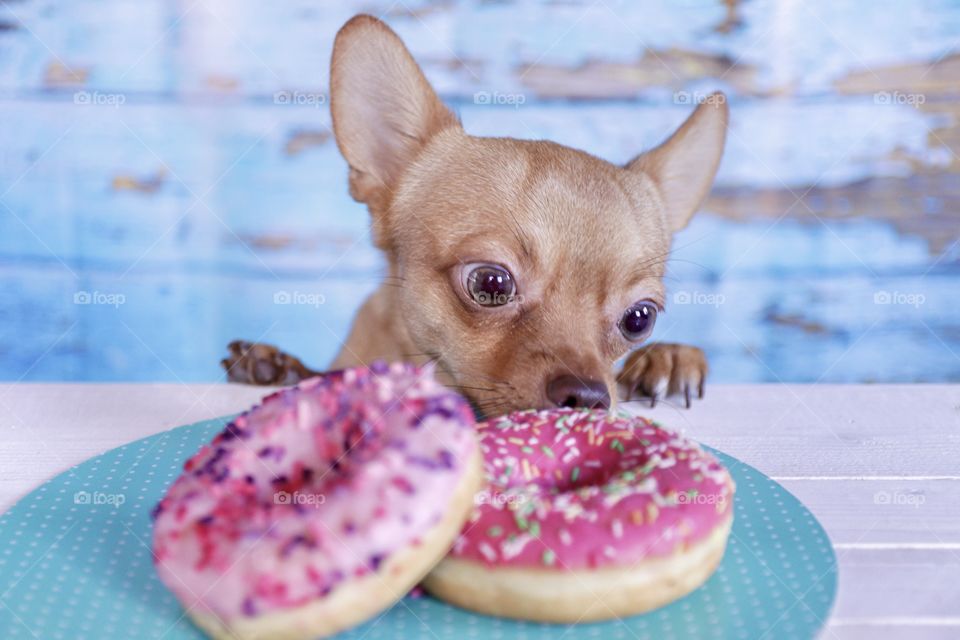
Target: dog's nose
571, 391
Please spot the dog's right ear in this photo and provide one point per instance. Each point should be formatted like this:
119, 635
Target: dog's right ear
384, 110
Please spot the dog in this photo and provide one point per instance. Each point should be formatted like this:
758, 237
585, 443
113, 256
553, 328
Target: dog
525, 270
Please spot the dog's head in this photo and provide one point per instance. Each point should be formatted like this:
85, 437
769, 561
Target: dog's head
526, 267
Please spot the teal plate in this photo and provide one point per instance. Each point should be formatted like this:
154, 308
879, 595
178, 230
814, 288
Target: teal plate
75, 563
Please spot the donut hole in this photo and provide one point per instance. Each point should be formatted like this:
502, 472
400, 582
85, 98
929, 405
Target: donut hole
555, 476
596, 472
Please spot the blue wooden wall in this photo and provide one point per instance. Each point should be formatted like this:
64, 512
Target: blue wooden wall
168, 180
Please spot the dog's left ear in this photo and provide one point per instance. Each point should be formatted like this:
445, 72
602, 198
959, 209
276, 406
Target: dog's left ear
684, 166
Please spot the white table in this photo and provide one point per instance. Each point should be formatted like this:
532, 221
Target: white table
879, 465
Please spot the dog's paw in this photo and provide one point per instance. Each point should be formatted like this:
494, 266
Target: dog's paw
662, 369
263, 364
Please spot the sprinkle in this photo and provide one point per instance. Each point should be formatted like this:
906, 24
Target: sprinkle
526, 449
535, 529
487, 551
514, 546
636, 516
549, 557
617, 445
547, 450
495, 531
447, 459
653, 512
616, 527
574, 474
403, 485
565, 537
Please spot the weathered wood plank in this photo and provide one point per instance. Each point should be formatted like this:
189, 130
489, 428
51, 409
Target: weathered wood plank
733, 418
143, 46
913, 587
166, 326
827, 430
891, 629
46, 429
185, 201
911, 513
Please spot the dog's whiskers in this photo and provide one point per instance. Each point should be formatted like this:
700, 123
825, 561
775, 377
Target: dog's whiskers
469, 388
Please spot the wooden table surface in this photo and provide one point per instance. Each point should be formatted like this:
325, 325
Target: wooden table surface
878, 465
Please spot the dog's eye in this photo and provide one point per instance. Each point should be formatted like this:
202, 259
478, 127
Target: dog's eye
490, 285
637, 321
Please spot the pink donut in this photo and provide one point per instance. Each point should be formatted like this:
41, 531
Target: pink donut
321, 506
587, 516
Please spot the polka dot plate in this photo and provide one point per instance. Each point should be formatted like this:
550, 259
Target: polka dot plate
75, 563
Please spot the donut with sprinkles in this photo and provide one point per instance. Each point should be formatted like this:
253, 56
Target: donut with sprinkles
320, 507
587, 516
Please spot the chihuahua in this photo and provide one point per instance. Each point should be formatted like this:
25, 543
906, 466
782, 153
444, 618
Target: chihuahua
524, 269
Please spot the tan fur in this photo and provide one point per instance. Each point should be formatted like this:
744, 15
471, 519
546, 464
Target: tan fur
584, 239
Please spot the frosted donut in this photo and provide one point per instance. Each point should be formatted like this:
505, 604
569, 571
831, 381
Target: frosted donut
587, 516
321, 506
